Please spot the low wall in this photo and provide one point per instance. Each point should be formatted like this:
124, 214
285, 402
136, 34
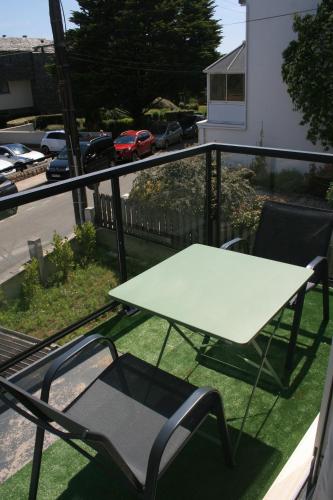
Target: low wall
9, 136
18, 128
148, 252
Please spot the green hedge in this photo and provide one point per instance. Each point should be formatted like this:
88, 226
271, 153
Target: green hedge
117, 126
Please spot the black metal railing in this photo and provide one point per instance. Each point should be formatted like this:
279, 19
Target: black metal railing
115, 173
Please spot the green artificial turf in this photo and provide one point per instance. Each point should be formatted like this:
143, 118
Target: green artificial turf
277, 420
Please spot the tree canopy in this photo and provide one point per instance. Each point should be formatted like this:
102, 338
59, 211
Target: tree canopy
127, 53
308, 72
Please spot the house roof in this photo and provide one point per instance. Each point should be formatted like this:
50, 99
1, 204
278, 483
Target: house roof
25, 44
234, 62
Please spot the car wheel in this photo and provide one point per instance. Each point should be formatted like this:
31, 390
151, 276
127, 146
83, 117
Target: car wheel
20, 167
45, 150
153, 149
135, 156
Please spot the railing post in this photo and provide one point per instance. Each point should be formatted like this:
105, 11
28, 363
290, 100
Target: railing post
208, 201
218, 197
118, 221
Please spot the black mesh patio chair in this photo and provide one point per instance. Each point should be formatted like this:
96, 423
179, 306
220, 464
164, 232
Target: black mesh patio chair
296, 235
133, 414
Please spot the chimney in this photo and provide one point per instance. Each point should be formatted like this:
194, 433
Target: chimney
4, 36
24, 36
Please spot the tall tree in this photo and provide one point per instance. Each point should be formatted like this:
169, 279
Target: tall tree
127, 53
308, 72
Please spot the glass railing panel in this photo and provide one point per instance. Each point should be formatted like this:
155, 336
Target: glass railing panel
163, 211
247, 181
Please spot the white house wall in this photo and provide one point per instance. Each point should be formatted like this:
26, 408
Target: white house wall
19, 96
232, 112
268, 104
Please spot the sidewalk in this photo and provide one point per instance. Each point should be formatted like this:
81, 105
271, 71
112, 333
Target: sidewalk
31, 182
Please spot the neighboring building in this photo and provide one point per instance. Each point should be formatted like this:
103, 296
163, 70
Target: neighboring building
247, 100
25, 85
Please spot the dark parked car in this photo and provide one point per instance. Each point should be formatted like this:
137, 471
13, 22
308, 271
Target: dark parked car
97, 154
189, 125
7, 187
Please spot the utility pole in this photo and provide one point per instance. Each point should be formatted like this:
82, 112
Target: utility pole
68, 111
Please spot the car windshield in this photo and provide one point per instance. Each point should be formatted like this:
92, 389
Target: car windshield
125, 139
63, 155
19, 149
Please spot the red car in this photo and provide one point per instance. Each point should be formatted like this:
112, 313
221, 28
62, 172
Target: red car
132, 144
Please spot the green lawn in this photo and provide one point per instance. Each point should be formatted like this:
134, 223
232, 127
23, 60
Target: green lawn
276, 424
58, 306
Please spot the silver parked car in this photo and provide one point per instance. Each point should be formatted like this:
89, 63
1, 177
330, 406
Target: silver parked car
19, 155
167, 133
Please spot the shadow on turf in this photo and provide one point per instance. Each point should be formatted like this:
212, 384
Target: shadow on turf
235, 361
197, 473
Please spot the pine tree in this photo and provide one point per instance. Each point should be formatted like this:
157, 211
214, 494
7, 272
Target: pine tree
127, 53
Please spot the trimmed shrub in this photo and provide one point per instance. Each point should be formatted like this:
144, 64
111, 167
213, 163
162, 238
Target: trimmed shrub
62, 257
51, 122
31, 283
86, 243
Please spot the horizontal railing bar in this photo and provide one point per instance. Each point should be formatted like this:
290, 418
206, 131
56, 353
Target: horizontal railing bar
57, 336
64, 186
289, 154
41, 192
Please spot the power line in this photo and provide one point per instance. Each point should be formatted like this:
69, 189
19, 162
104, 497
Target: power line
135, 65
270, 17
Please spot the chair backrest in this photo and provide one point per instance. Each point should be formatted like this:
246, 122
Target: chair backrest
292, 233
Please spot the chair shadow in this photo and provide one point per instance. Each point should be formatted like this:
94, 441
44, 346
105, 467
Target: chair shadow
229, 360
198, 472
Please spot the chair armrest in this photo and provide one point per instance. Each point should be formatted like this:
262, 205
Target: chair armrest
319, 266
204, 397
66, 356
317, 262
231, 243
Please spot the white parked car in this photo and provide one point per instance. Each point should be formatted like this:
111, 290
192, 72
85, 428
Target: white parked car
19, 156
53, 141
6, 167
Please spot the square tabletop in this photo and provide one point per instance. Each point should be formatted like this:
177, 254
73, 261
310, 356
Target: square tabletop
225, 294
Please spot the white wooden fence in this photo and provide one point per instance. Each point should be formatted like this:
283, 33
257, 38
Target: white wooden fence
174, 228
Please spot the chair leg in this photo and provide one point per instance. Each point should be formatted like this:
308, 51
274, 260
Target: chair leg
36, 463
294, 331
224, 433
150, 491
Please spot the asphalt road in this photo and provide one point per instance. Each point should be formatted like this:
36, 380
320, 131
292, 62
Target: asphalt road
39, 220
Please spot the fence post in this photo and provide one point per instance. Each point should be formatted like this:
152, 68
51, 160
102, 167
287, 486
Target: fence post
118, 222
208, 201
89, 214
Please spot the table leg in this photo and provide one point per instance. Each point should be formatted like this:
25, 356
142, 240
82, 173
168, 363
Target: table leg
164, 345
270, 369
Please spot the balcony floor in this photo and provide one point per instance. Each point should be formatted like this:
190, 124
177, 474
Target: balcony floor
276, 423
